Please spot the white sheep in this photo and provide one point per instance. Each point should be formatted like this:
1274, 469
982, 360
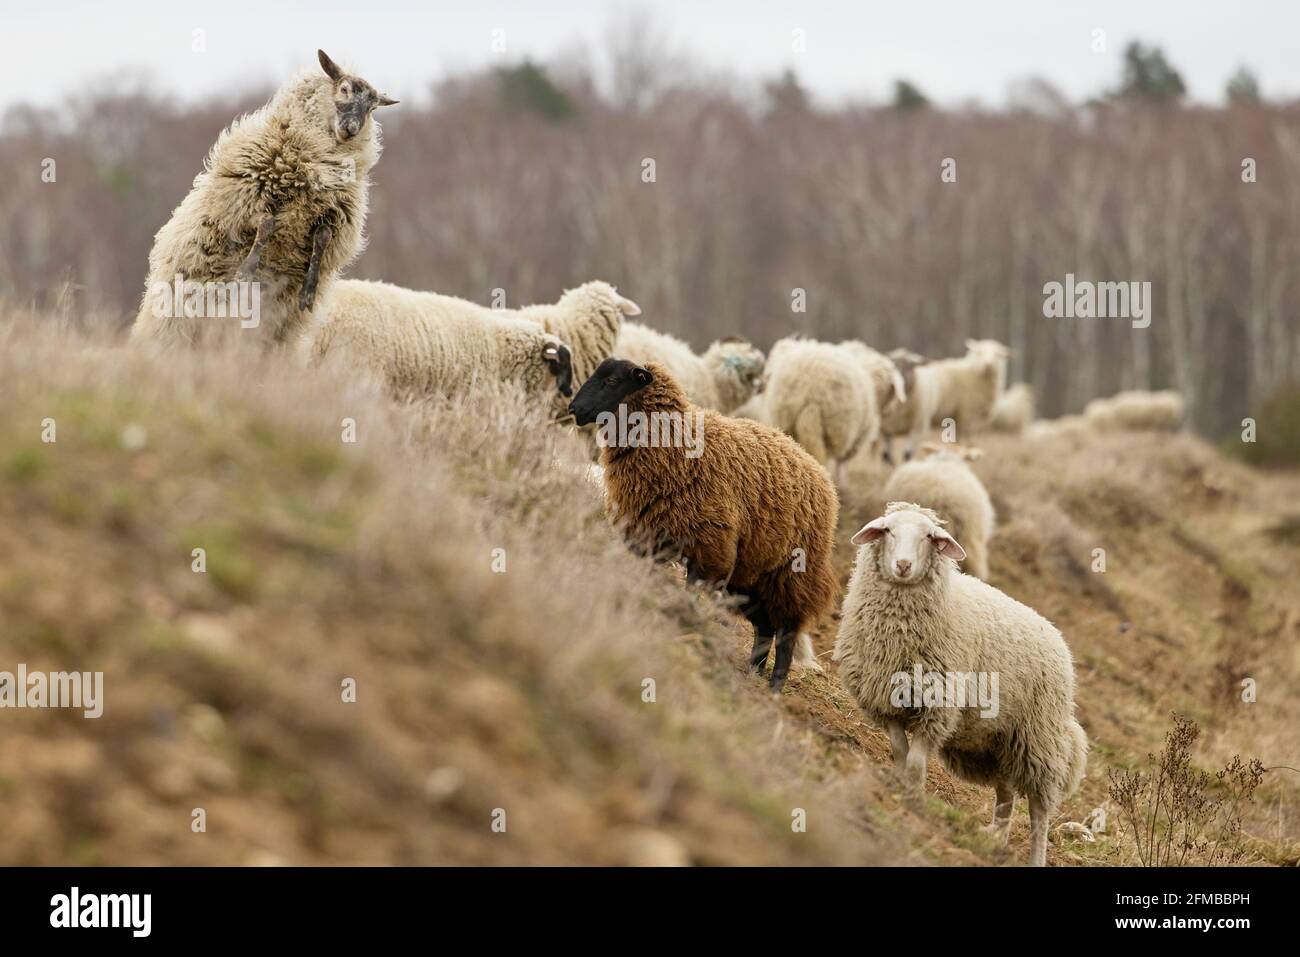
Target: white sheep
969, 672
424, 344
942, 480
755, 408
910, 418
588, 320
723, 378
1073, 426
281, 203
1136, 411
1014, 409
968, 387
828, 397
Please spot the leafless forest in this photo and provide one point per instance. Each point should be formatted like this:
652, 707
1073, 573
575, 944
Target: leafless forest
755, 196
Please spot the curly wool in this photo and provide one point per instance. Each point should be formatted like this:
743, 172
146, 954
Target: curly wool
423, 343
828, 396
949, 622
723, 378
946, 484
588, 319
737, 512
282, 160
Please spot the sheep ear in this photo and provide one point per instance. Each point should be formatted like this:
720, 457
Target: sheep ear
642, 375
900, 387
387, 101
627, 306
329, 66
947, 545
869, 532
561, 365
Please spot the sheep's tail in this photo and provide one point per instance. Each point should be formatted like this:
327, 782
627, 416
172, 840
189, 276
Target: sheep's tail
804, 655
809, 433
1078, 757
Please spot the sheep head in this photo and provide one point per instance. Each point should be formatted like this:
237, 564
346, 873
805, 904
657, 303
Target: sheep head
965, 453
738, 367
354, 99
990, 350
609, 386
556, 356
909, 541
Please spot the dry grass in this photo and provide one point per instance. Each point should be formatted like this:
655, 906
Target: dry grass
372, 560
523, 690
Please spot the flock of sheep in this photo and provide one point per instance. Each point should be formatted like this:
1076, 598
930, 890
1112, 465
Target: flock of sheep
282, 201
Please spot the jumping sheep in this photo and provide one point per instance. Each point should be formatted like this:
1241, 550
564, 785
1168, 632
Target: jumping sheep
281, 202
744, 505
723, 378
425, 344
829, 397
968, 387
942, 480
909, 614
1136, 411
1014, 409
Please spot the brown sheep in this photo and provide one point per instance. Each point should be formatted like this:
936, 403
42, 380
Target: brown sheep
740, 502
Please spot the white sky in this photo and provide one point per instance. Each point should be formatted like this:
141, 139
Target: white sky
955, 50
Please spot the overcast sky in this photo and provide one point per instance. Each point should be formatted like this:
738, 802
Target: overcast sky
955, 50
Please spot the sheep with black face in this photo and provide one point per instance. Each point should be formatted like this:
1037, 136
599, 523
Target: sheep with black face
742, 504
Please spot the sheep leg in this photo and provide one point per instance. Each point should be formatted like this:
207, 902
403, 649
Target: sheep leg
1002, 805
915, 762
763, 632
248, 268
785, 639
805, 655
1038, 817
307, 298
897, 743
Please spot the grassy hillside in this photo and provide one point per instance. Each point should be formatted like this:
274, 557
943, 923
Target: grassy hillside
525, 689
